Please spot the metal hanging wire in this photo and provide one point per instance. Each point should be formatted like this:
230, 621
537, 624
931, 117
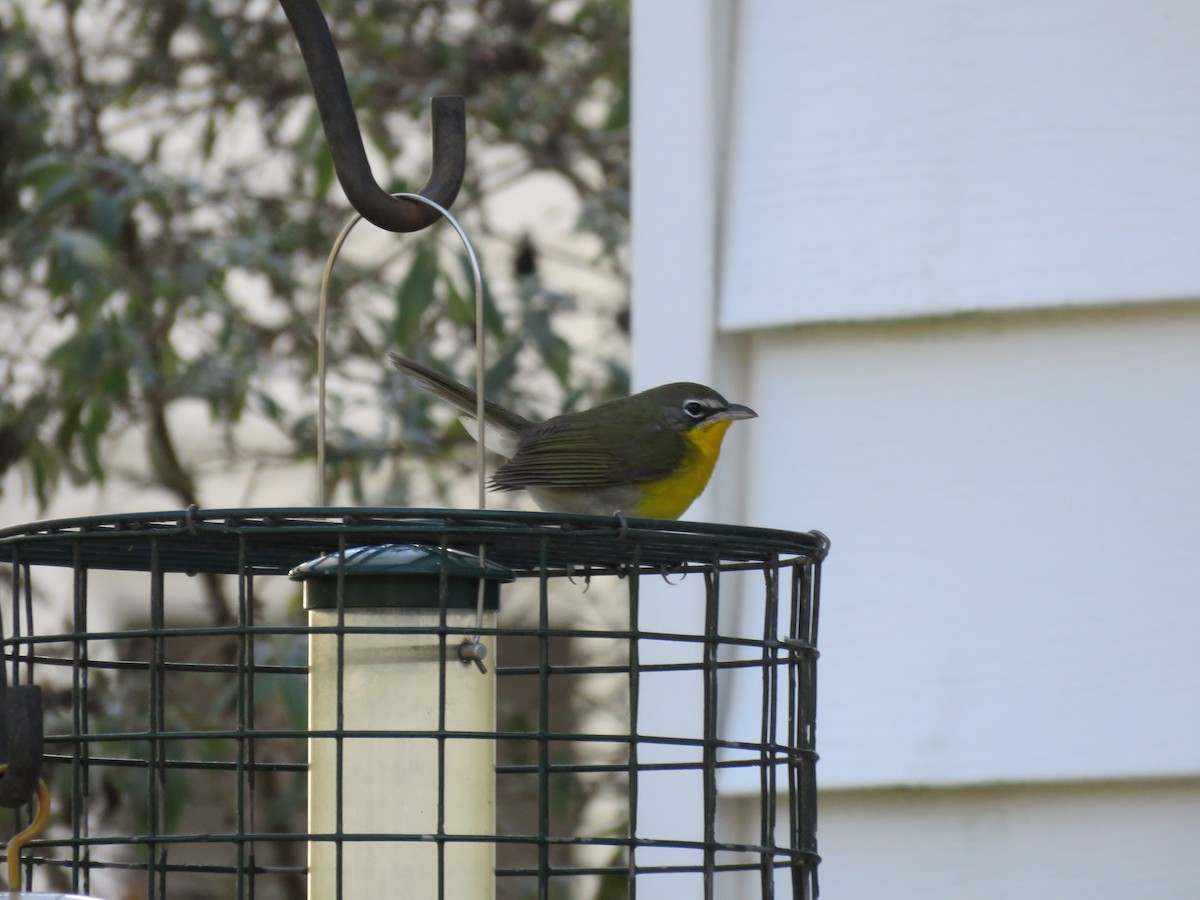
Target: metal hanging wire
472, 650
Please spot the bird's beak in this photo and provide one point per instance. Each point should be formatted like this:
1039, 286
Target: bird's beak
733, 412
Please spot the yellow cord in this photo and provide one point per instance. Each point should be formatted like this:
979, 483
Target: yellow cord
17, 841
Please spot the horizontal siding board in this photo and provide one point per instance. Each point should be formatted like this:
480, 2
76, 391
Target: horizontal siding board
1014, 505
1100, 841
922, 157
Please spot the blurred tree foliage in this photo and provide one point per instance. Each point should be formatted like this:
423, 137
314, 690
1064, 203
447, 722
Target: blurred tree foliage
167, 201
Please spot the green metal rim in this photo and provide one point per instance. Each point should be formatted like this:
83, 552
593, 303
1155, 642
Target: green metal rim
273, 541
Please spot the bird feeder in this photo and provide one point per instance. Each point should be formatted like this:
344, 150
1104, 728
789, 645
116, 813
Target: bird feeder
383, 657
206, 753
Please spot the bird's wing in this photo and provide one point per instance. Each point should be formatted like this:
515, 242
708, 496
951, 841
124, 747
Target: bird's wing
568, 453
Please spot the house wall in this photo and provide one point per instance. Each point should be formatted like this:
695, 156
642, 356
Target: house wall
1100, 840
948, 252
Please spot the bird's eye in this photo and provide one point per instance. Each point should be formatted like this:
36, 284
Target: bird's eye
694, 408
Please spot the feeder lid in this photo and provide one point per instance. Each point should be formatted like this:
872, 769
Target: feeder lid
403, 559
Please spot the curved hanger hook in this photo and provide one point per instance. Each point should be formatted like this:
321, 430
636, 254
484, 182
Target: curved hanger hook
13, 850
372, 202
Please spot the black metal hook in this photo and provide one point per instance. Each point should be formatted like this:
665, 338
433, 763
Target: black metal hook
375, 204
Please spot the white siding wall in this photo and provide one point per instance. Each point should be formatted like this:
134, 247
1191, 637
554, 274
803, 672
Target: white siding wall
897, 157
1013, 504
1010, 613
674, 200
1104, 841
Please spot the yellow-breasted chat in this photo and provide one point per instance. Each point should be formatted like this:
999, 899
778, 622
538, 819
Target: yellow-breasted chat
647, 455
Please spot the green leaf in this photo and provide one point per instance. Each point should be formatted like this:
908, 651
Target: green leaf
91, 433
493, 319
61, 182
49, 174
107, 216
555, 351
43, 470
459, 307
208, 140
212, 28
83, 253
323, 171
414, 295
269, 407
78, 357
619, 111
501, 372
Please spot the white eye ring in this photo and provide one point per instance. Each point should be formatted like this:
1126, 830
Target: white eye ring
694, 409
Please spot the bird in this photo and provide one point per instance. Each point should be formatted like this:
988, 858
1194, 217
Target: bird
648, 455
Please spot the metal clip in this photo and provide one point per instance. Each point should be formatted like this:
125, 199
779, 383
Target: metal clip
21, 736
473, 651
372, 202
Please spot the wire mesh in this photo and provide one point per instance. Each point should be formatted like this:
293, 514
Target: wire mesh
180, 740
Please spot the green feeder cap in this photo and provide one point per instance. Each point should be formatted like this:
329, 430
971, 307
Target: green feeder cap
407, 576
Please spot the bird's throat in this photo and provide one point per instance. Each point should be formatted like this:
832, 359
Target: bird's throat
669, 498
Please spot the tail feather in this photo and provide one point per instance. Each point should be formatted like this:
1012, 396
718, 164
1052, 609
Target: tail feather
502, 427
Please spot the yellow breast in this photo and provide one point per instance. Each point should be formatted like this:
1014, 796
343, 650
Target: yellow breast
669, 498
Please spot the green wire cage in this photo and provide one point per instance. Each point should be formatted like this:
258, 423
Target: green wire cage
267, 751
